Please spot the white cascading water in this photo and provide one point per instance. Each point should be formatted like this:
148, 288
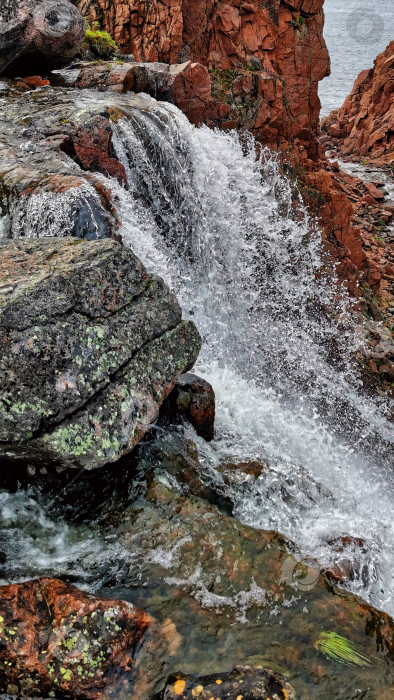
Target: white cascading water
217, 222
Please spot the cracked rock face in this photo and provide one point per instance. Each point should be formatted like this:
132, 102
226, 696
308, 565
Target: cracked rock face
363, 126
91, 345
52, 30
279, 41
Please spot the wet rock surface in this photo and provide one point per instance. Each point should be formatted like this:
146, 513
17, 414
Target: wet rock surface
56, 142
194, 399
56, 639
34, 32
246, 682
47, 135
91, 346
222, 594
186, 85
237, 595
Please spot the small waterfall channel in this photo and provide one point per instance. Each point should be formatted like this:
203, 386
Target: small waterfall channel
218, 221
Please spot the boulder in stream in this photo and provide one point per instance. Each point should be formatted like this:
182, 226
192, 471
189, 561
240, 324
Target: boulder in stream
194, 398
91, 345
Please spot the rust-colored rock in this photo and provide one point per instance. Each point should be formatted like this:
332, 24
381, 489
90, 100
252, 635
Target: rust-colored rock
92, 143
364, 126
56, 639
36, 81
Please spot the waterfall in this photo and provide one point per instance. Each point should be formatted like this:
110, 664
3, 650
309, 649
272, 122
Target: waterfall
214, 217
212, 214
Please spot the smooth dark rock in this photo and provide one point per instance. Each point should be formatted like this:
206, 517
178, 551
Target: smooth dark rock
47, 31
90, 347
243, 682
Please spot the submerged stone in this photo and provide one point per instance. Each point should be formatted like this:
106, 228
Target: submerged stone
237, 595
243, 682
91, 345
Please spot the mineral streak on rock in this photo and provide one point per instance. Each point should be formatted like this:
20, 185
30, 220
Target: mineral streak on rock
50, 29
90, 347
55, 638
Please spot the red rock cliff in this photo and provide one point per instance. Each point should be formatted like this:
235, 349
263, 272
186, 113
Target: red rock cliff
281, 40
364, 126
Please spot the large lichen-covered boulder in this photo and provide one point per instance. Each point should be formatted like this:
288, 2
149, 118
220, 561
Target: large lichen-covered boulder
51, 30
91, 345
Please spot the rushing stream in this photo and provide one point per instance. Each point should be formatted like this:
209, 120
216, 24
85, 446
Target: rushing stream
218, 222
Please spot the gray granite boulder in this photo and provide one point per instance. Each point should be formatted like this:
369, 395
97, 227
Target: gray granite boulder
50, 30
90, 346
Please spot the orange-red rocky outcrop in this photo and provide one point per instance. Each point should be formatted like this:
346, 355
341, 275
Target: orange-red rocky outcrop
364, 126
281, 41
